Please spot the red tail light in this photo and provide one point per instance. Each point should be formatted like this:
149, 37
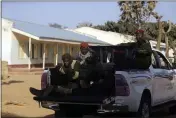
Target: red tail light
121, 86
44, 80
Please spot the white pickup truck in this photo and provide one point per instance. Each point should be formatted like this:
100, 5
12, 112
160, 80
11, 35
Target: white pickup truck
139, 91
149, 89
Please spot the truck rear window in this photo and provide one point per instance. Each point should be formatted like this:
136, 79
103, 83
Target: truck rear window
121, 55
123, 59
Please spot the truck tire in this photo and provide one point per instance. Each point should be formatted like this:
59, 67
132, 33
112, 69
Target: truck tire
145, 107
74, 111
74, 115
172, 110
59, 114
67, 111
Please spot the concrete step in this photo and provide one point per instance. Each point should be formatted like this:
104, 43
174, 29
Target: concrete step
25, 70
25, 73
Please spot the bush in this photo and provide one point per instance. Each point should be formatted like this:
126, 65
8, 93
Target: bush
4, 69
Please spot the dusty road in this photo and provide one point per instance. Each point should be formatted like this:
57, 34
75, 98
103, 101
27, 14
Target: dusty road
17, 100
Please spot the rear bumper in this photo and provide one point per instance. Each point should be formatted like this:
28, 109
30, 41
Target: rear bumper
85, 102
50, 105
113, 108
101, 107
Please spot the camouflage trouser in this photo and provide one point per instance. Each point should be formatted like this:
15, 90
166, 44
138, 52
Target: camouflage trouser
66, 89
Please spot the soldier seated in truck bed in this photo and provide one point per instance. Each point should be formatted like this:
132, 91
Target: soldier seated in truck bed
68, 72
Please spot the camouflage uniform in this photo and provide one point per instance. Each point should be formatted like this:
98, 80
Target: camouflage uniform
143, 54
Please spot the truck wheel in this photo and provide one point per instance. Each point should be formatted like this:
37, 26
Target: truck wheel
172, 110
74, 115
145, 107
59, 114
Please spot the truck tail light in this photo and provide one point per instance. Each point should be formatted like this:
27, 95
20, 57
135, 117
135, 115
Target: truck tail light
44, 80
121, 86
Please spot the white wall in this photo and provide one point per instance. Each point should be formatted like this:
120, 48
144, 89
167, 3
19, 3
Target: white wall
15, 50
6, 40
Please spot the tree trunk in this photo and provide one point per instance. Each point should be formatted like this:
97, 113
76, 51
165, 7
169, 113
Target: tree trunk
174, 49
159, 35
167, 45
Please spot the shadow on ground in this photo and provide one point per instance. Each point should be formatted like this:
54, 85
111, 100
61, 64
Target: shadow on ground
11, 82
49, 116
10, 115
155, 115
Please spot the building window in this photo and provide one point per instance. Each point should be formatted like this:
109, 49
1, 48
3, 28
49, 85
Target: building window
41, 50
34, 50
55, 48
22, 50
67, 48
74, 51
60, 52
46, 50
5, 29
71, 49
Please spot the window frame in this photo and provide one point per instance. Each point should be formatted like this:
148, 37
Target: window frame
154, 53
22, 51
33, 56
60, 52
160, 55
41, 50
47, 48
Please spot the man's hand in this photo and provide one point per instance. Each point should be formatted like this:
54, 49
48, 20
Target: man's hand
67, 70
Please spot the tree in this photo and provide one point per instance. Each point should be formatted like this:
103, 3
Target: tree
151, 29
159, 31
119, 27
55, 25
127, 28
165, 31
172, 40
84, 24
136, 12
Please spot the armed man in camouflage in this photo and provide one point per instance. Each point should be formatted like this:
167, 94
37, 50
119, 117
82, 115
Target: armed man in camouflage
143, 50
70, 70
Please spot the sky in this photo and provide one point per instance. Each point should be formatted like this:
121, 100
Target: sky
71, 13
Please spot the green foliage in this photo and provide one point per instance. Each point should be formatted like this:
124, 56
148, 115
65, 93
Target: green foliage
84, 24
120, 27
151, 29
55, 25
137, 12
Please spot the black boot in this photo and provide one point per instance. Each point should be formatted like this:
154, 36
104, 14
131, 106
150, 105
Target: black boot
44, 92
36, 92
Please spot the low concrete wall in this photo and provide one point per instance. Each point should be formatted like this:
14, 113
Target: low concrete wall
4, 69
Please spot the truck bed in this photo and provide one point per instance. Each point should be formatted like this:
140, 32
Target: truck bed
73, 99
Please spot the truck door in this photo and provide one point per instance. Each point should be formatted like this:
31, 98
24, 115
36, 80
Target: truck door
167, 75
158, 81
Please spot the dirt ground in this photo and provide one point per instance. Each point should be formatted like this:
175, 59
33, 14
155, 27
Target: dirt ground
17, 100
